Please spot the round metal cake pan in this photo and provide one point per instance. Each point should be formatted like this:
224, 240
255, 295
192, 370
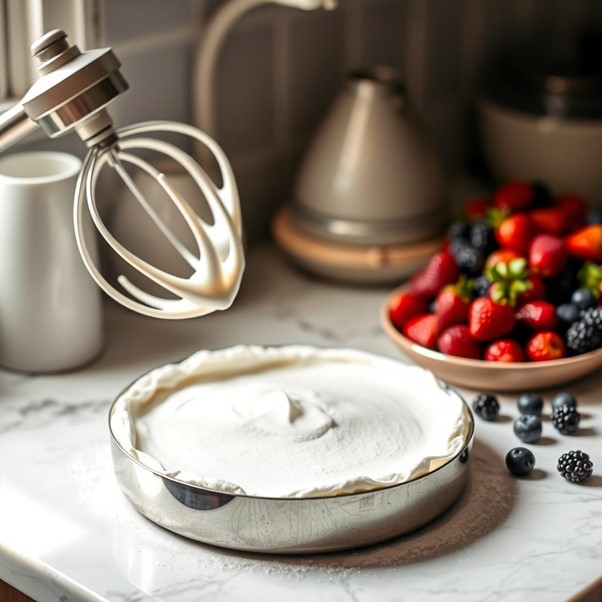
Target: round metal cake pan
291, 525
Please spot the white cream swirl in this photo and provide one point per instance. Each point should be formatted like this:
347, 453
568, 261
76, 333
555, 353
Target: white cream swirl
290, 421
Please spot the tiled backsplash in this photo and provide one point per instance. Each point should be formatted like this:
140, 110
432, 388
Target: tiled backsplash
280, 68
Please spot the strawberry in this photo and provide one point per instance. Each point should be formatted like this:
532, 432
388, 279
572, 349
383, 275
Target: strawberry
501, 256
586, 243
509, 281
489, 320
537, 315
422, 329
504, 350
536, 289
549, 219
515, 232
574, 207
514, 196
476, 209
452, 303
405, 306
545, 345
548, 255
439, 271
456, 340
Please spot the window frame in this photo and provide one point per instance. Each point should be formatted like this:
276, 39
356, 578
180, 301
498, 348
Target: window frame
23, 21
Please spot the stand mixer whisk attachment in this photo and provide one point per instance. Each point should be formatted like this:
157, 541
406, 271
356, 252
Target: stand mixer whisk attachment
72, 94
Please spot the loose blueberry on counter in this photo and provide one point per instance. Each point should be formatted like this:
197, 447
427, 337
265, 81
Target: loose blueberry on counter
530, 403
486, 406
575, 466
566, 420
564, 399
520, 461
528, 428
594, 217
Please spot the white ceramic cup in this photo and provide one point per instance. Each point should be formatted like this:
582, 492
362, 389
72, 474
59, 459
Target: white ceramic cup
50, 308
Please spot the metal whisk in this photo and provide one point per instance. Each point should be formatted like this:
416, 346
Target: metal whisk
72, 94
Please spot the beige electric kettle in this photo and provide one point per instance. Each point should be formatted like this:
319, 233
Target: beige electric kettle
370, 186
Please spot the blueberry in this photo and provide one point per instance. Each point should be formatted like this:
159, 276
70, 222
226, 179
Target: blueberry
530, 403
583, 298
568, 313
564, 399
520, 461
528, 428
486, 406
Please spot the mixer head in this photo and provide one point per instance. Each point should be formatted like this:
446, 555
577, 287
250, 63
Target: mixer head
72, 95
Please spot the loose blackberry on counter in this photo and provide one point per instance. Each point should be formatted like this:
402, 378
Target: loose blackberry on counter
566, 419
575, 466
564, 398
486, 406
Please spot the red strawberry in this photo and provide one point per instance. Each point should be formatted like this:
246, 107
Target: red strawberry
545, 345
504, 350
515, 232
586, 243
536, 289
574, 208
501, 256
514, 196
549, 219
439, 271
452, 303
422, 329
405, 306
489, 320
456, 340
548, 255
476, 209
537, 315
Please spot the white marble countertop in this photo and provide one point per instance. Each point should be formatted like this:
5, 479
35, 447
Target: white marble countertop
67, 533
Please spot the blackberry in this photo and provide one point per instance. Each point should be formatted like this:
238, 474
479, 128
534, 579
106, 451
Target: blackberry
530, 403
486, 406
520, 461
566, 420
593, 317
583, 298
482, 237
480, 285
575, 466
458, 231
528, 428
582, 337
564, 399
560, 288
542, 197
469, 260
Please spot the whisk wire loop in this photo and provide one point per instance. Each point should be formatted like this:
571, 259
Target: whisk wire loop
217, 268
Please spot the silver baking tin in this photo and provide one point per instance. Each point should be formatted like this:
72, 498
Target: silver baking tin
291, 525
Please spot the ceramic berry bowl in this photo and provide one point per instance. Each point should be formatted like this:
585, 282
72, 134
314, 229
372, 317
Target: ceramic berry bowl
513, 298
485, 375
